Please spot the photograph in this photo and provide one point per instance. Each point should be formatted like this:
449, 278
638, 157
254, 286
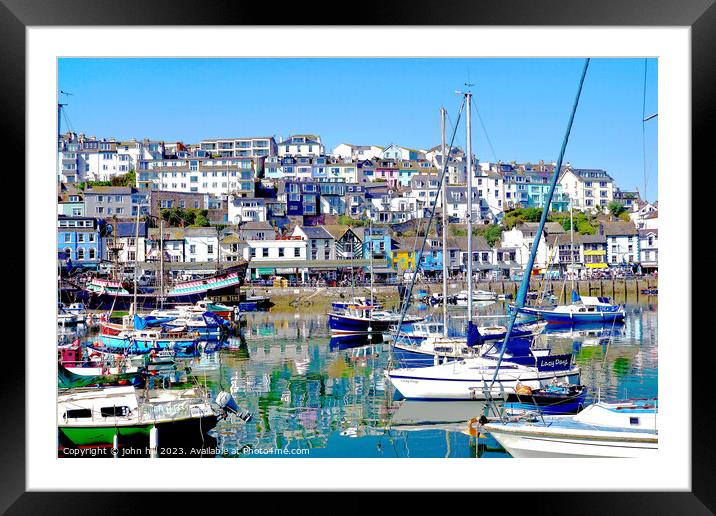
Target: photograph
357, 257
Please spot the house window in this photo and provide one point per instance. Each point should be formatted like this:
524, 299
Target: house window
210, 249
281, 252
296, 252
264, 252
192, 249
80, 253
92, 253
68, 237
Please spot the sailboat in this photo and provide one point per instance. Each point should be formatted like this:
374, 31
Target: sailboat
483, 377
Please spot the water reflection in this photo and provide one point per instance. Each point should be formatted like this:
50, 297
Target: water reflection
307, 390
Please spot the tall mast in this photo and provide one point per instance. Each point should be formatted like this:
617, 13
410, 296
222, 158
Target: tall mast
136, 256
468, 121
370, 249
444, 213
571, 247
161, 263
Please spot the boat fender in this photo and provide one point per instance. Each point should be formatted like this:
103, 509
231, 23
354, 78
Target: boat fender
472, 427
523, 389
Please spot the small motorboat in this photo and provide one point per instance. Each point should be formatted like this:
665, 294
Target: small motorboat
551, 399
603, 429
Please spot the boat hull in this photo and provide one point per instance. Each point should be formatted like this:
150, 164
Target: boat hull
543, 445
138, 435
417, 387
346, 324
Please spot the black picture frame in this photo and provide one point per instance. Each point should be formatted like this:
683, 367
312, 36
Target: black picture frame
700, 15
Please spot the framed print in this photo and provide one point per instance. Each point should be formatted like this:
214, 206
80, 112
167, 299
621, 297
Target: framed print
421, 255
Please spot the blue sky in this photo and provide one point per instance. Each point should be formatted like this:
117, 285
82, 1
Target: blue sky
524, 104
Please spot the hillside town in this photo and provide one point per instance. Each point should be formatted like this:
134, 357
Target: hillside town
293, 210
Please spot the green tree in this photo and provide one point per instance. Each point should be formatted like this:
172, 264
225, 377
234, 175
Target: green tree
201, 220
616, 208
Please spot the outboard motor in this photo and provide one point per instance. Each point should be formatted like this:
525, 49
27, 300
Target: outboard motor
227, 402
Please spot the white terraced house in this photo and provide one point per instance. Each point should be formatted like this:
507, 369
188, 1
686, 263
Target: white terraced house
301, 145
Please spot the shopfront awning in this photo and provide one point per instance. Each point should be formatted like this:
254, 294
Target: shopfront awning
285, 270
265, 271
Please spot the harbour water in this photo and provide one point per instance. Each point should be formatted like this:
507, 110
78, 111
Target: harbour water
316, 396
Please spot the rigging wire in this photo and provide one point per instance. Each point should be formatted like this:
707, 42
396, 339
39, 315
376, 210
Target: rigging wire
487, 136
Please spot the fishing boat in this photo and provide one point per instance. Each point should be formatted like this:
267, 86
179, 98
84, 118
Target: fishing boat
93, 416
583, 309
603, 429
366, 319
552, 399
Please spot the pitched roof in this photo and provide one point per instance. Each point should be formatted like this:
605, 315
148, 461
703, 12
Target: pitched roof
336, 230
618, 228
112, 190
315, 232
254, 225
129, 229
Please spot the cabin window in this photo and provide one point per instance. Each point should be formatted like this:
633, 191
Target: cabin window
77, 413
633, 420
114, 411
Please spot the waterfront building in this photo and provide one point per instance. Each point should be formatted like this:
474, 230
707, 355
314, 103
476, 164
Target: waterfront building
649, 249
348, 241
201, 244
378, 242
301, 145
249, 147
320, 243
282, 249
594, 251
622, 242
482, 256
521, 237
126, 242
173, 244
646, 217
79, 240
231, 246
